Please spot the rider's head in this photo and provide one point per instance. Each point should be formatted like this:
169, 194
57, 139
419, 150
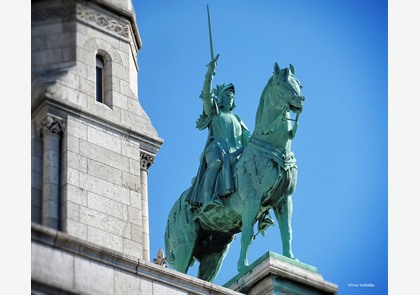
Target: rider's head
225, 96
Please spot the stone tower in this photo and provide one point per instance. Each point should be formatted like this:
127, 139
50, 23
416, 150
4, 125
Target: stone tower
92, 143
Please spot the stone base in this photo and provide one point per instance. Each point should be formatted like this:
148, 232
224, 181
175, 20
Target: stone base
276, 274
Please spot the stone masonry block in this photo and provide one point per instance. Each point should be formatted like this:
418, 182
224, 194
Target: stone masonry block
120, 71
134, 167
159, 288
75, 228
132, 182
85, 56
105, 172
36, 214
70, 211
103, 155
126, 89
119, 100
104, 139
133, 215
92, 277
75, 194
133, 75
38, 43
68, 54
69, 95
115, 57
134, 107
109, 113
60, 40
77, 128
146, 286
39, 58
60, 273
81, 40
36, 162
136, 233
132, 248
47, 29
102, 221
72, 177
105, 239
130, 149
100, 37
36, 179
105, 205
70, 80
127, 231
87, 87
104, 188
135, 199
72, 144
77, 162
127, 284
80, 70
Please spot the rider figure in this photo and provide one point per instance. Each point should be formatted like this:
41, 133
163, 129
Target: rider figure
227, 136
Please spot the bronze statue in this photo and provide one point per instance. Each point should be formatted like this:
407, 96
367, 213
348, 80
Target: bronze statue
266, 175
240, 177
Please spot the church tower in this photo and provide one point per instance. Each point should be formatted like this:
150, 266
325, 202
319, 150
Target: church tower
92, 143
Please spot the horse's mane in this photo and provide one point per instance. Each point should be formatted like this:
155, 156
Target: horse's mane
262, 101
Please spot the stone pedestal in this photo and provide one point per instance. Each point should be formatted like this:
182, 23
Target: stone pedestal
275, 274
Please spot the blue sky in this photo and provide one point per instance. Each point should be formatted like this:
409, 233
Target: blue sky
340, 52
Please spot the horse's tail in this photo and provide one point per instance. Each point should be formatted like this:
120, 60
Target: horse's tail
170, 256
172, 225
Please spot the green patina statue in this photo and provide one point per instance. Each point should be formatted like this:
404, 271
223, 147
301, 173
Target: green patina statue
240, 177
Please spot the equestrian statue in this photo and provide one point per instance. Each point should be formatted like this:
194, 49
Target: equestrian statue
241, 176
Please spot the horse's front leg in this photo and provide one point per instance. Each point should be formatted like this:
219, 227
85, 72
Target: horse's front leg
283, 213
252, 201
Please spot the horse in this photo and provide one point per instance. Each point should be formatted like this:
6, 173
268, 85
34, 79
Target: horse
265, 174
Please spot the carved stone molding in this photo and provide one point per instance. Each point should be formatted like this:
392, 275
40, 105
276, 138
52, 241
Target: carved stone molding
146, 160
103, 21
52, 125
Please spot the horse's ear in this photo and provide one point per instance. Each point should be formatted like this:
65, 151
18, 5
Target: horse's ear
276, 69
286, 72
292, 68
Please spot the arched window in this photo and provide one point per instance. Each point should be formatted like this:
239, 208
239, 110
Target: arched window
100, 77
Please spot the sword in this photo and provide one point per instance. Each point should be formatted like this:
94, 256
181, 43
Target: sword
210, 36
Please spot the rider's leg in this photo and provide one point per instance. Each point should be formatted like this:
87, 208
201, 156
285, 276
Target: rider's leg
213, 168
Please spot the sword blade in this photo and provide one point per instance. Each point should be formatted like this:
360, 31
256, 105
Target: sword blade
210, 36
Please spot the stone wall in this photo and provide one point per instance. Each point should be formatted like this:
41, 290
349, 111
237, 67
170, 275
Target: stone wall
81, 267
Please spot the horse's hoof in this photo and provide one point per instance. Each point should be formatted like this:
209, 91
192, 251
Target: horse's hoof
242, 267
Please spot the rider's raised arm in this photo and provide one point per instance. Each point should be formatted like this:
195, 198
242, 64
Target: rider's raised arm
206, 93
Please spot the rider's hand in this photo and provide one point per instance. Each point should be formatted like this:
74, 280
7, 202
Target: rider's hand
212, 66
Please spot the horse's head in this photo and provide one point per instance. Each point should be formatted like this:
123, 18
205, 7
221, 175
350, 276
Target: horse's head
286, 89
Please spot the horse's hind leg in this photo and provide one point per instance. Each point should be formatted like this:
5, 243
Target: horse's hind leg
183, 254
211, 261
252, 203
283, 212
